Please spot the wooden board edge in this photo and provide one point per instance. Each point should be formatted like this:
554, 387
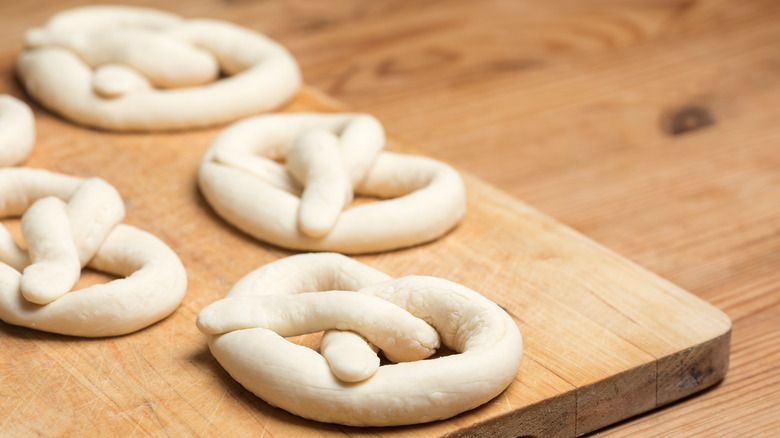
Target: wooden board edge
623, 395
692, 370
667, 379
557, 412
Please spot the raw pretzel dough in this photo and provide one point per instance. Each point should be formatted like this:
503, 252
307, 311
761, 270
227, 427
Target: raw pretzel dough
17, 131
245, 332
302, 206
68, 223
136, 69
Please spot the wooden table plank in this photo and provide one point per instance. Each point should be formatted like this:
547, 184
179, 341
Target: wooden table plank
698, 208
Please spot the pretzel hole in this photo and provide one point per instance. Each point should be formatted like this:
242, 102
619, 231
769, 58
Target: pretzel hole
313, 341
14, 227
359, 200
91, 277
88, 277
441, 352
310, 340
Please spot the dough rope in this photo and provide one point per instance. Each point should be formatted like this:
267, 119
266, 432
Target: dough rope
136, 69
303, 206
68, 223
17, 131
310, 292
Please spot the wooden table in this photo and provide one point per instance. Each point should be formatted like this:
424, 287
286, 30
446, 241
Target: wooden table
650, 127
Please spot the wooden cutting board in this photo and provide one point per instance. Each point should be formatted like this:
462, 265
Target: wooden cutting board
604, 338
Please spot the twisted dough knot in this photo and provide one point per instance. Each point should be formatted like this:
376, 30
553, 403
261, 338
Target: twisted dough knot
128, 68
17, 131
68, 223
405, 317
304, 205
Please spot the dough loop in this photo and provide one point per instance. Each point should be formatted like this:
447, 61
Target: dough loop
304, 206
311, 292
17, 131
68, 223
136, 69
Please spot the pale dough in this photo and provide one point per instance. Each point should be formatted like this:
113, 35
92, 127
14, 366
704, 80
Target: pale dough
17, 131
68, 223
136, 69
305, 204
245, 333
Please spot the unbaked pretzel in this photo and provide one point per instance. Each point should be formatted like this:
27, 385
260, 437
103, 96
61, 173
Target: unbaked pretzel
136, 69
67, 223
309, 292
304, 205
17, 131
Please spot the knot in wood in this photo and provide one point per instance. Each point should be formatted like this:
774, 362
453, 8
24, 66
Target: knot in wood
361, 310
129, 68
289, 179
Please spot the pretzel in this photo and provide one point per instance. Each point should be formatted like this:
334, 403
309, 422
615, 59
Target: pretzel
305, 205
17, 131
136, 69
310, 292
68, 223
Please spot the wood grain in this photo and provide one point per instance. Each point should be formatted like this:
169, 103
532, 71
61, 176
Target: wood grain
648, 126
595, 340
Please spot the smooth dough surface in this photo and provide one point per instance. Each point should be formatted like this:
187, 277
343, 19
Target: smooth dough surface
246, 334
305, 204
68, 223
17, 131
128, 68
